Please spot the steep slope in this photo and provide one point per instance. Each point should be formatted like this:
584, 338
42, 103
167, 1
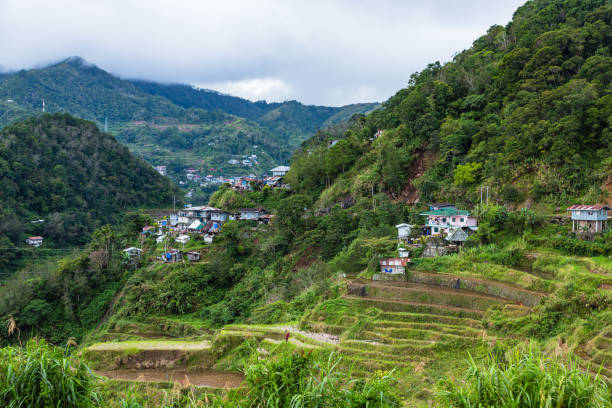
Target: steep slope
65, 171
525, 111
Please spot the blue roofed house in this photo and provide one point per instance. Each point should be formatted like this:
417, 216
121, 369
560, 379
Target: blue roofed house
589, 218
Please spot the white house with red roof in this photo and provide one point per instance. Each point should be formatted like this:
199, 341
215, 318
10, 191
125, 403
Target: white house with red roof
34, 241
589, 218
393, 266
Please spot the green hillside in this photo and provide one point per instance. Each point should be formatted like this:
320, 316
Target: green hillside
65, 171
297, 312
173, 125
526, 111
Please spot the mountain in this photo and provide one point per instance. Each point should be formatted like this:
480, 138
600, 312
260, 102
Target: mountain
527, 106
65, 171
174, 125
525, 111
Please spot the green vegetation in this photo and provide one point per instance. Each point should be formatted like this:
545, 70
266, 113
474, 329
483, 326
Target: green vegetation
40, 375
526, 379
524, 111
65, 172
296, 379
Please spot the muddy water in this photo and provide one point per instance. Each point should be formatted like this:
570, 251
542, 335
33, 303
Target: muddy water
202, 378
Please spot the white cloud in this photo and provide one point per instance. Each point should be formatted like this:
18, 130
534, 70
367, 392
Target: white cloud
255, 89
316, 51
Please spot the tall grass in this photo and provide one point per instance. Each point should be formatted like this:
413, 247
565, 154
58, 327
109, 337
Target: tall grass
299, 379
526, 380
40, 375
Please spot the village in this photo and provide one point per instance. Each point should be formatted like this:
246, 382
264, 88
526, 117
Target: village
444, 230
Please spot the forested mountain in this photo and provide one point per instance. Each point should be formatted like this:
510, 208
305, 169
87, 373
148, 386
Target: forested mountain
65, 171
175, 125
526, 110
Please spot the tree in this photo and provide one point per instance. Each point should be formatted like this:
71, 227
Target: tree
467, 174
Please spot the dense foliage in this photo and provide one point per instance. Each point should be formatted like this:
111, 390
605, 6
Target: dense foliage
64, 171
526, 380
40, 375
525, 110
69, 297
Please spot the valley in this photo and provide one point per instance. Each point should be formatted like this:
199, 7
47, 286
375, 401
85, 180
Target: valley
450, 247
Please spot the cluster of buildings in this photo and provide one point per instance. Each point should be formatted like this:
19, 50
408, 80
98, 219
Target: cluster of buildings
247, 161
251, 182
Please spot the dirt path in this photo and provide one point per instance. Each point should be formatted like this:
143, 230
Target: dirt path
321, 337
407, 302
201, 378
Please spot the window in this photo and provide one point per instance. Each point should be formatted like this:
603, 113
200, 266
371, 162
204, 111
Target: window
435, 229
443, 219
463, 220
454, 219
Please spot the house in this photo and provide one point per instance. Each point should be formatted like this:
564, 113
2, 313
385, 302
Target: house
403, 231
265, 219
252, 213
161, 170
403, 252
132, 253
193, 256
149, 229
211, 227
195, 227
233, 161
280, 171
34, 241
441, 221
272, 181
218, 215
182, 239
393, 266
378, 133
332, 143
457, 236
589, 218
173, 255
160, 239
208, 238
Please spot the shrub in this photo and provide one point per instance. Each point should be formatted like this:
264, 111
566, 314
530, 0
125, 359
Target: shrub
525, 379
40, 375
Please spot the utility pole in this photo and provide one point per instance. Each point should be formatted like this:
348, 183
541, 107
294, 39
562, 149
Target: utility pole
487, 195
174, 203
105, 125
43, 105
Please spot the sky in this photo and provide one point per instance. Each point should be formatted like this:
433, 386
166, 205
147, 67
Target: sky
323, 52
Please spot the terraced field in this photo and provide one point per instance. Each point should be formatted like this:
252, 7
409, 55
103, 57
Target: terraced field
597, 353
422, 327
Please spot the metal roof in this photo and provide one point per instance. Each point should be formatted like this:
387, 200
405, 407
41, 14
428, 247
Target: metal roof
595, 207
449, 212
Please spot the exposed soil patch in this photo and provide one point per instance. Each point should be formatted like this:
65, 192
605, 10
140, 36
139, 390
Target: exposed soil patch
200, 378
410, 194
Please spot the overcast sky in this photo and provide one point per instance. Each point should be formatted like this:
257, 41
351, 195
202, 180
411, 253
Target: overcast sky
315, 51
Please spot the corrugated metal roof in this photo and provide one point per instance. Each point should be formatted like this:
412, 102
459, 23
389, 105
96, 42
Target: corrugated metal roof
449, 212
595, 207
